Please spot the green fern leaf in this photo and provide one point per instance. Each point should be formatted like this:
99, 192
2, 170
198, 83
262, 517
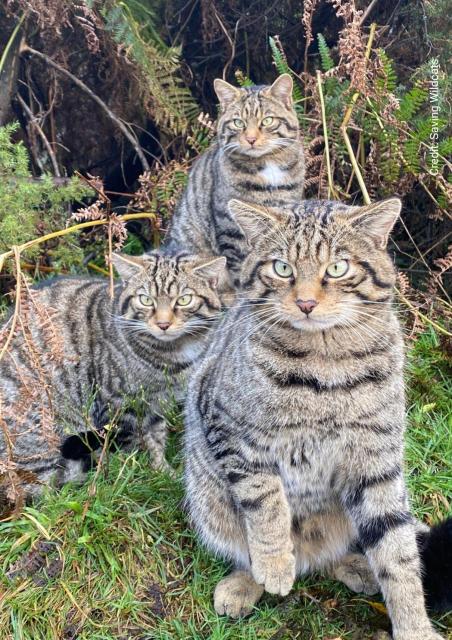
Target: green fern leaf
325, 55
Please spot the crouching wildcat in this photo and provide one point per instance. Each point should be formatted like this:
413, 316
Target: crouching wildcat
56, 408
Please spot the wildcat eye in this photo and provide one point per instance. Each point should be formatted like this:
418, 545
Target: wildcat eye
282, 269
146, 301
337, 269
184, 301
239, 123
266, 121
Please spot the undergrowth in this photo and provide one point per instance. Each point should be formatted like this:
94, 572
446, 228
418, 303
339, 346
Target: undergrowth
117, 559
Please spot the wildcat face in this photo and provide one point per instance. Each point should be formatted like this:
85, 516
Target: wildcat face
168, 296
258, 120
321, 265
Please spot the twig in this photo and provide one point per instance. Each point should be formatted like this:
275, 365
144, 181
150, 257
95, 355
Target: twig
94, 267
110, 261
33, 122
348, 115
16, 252
9, 44
230, 40
331, 190
419, 252
367, 12
120, 124
423, 317
64, 232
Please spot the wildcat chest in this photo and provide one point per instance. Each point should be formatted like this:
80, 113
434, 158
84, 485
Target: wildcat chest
272, 174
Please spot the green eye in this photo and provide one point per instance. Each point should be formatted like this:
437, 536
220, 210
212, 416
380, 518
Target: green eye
146, 301
266, 121
282, 269
337, 269
239, 123
184, 301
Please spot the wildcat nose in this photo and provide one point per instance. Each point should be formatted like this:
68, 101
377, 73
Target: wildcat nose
306, 305
163, 325
251, 139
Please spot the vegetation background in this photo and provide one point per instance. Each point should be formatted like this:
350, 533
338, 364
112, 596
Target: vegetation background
104, 105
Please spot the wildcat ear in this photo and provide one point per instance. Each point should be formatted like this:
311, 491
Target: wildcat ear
254, 221
282, 88
128, 266
210, 269
226, 93
377, 219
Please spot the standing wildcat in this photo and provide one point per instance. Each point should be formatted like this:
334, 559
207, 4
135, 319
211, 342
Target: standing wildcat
144, 340
295, 417
258, 155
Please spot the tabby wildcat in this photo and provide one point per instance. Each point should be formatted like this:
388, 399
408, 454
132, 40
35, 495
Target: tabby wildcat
258, 155
145, 339
295, 417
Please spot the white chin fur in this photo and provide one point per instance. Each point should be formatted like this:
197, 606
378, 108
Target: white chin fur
256, 153
314, 324
165, 337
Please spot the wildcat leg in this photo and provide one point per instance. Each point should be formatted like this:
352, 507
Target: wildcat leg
266, 512
378, 507
154, 434
355, 572
236, 595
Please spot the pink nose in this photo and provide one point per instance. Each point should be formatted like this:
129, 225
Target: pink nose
251, 140
164, 325
306, 305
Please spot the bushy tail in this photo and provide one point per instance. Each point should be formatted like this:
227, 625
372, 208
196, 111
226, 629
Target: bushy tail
435, 547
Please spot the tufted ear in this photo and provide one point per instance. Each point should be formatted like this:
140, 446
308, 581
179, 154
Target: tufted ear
253, 220
282, 88
210, 269
376, 219
226, 93
128, 266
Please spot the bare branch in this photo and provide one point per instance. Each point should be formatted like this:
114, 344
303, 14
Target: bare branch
119, 123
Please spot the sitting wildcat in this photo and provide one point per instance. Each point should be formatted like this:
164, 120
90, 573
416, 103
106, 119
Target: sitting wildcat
145, 339
295, 417
258, 155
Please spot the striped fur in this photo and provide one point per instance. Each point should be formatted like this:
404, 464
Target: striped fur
269, 172
113, 349
295, 420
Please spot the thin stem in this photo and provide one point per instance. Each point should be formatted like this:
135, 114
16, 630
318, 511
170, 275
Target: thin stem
68, 230
110, 261
33, 122
423, 317
16, 312
9, 44
331, 190
346, 120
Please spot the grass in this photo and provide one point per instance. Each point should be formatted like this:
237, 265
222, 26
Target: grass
115, 559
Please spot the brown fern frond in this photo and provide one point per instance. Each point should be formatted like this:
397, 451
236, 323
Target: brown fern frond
352, 59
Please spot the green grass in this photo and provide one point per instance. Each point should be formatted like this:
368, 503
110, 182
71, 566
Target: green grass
123, 564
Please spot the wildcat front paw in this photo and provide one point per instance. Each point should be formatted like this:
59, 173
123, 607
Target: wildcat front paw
275, 573
236, 595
